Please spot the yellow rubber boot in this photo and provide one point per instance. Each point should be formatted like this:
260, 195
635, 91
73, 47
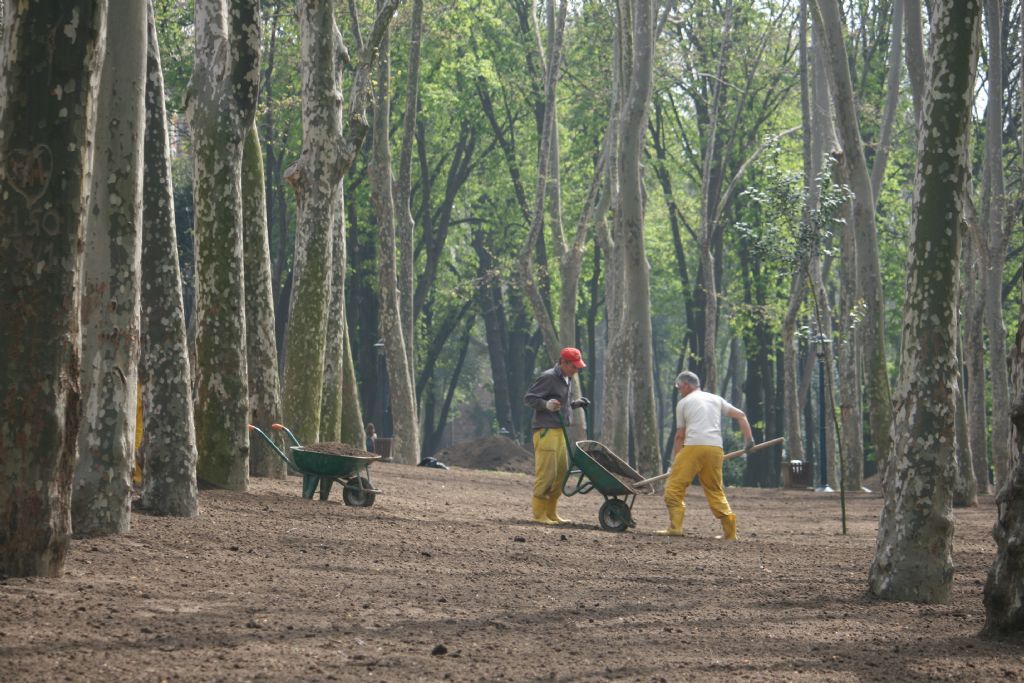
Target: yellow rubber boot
729, 527
552, 503
675, 526
540, 511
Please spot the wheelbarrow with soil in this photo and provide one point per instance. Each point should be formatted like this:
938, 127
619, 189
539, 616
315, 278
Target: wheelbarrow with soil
323, 464
596, 467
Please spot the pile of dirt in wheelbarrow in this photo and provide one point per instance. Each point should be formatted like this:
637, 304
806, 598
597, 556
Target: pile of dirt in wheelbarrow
488, 453
336, 448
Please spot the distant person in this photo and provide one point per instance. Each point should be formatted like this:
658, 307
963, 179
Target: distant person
698, 450
548, 397
371, 438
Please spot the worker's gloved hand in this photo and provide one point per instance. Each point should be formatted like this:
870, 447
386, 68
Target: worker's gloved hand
554, 405
581, 402
748, 446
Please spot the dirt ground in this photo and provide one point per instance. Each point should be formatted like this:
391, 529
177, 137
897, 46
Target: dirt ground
445, 579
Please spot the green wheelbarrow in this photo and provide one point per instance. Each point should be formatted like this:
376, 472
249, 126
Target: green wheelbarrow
596, 467
321, 468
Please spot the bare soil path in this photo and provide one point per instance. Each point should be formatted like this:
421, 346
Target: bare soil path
444, 579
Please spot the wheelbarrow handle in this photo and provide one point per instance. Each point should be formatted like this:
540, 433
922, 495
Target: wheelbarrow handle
726, 457
280, 453
281, 428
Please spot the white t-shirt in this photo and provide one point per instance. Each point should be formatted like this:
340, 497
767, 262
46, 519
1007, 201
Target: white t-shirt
700, 414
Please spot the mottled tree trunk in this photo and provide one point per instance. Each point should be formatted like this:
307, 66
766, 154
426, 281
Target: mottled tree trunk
47, 77
913, 553
869, 278
334, 353
261, 342
169, 434
221, 107
1004, 588
101, 495
315, 177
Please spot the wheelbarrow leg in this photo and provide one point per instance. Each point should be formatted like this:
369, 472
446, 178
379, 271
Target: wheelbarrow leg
325, 487
309, 483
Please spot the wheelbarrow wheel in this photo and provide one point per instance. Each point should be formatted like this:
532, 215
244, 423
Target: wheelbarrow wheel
357, 493
614, 515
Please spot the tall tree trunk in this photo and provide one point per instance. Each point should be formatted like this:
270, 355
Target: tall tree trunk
352, 431
406, 447
314, 178
630, 216
913, 558
101, 497
995, 254
169, 432
797, 285
892, 99
965, 485
615, 396
261, 343
403, 190
41, 230
548, 133
709, 216
326, 158
869, 274
974, 348
334, 354
850, 397
222, 106
915, 56
1004, 588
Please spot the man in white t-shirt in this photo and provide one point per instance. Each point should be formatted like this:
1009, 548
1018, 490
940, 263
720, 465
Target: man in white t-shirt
698, 451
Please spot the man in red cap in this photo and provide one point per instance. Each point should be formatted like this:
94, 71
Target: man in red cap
548, 397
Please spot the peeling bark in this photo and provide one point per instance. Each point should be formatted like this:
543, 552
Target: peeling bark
169, 434
326, 157
221, 107
913, 552
47, 77
101, 495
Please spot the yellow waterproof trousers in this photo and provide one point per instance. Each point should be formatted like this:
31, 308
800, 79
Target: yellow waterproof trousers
705, 461
550, 462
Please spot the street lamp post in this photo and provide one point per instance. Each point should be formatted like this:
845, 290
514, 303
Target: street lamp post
821, 343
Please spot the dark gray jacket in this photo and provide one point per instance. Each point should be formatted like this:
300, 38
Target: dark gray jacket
550, 384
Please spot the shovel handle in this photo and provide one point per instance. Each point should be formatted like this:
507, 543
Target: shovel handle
727, 456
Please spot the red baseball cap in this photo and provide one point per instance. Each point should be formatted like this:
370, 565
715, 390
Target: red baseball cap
571, 355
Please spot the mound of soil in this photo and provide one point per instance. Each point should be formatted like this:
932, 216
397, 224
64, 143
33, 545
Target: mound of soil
489, 453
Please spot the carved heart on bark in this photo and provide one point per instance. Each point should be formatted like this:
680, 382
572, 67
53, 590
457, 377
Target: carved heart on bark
29, 172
